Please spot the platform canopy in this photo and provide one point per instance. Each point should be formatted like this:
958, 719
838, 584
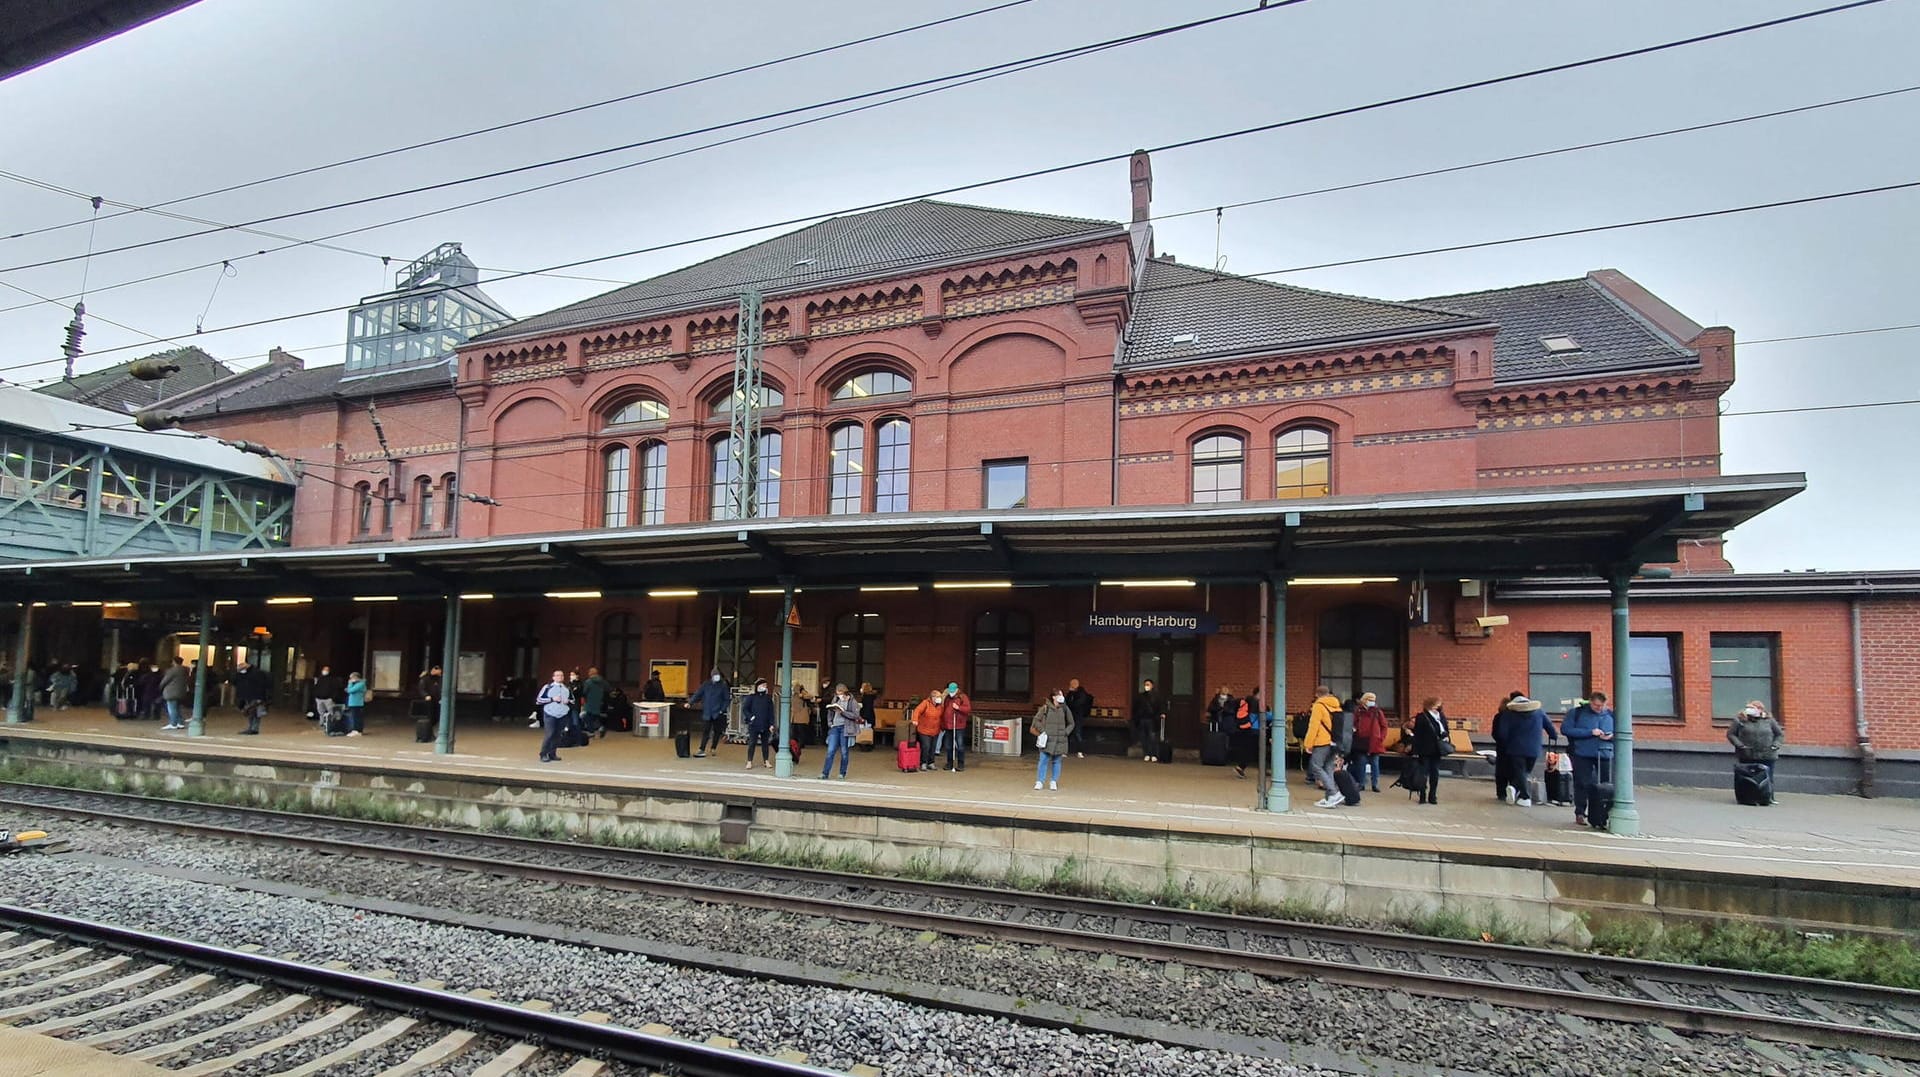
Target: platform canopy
1487, 534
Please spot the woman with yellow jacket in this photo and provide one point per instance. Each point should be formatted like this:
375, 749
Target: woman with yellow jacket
1318, 743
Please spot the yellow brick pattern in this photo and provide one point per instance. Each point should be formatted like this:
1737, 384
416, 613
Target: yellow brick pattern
1228, 397
534, 372
1582, 416
961, 306
1569, 470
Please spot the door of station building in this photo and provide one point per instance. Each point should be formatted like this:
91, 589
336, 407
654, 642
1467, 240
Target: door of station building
1173, 664
1360, 652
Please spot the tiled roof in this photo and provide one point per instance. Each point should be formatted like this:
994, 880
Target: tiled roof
114, 389
892, 238
1227, 313
291, 385
1609, 335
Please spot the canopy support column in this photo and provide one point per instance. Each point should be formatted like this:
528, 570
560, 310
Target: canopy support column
1278, 799
783, 753
197, 724
449, 675
1624, 819
1260, 680
22, 654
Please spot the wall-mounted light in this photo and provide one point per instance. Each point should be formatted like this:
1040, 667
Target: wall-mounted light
882, 588
477, 596
290, 600
573, 594
376, 598
1148, 583
1339, 581
774, 591
673, 593
973, 585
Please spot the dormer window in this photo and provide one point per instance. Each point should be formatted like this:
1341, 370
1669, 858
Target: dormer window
1557, 345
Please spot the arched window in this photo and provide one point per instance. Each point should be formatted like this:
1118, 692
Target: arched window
1219, 466
846, 469
872, 383
860, 650
362, 509
644, 410
386, 508
1003, 654
767, 468
893, 466
653, 483
1302, 462
617, 467
771, 399
423, 503
621, 636
449, 501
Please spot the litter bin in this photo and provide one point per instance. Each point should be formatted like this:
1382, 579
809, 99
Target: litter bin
651, 719
1001, 736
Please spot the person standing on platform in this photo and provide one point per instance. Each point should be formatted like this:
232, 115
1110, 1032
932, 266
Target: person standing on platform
1431, 742
1519, 733
1588, 728
1501, 764
126, 692
593, 702
356, 704
869, 697
1149, 710
60, 687
956, 721
147, 690
1052, 729
926, 725
1080, 706
556, 709
654, 691
711, 699
250, 691
843, 720
802, 714
1369, 739
1756, 737
757, 714
1243, 737
1318, 742
176, 687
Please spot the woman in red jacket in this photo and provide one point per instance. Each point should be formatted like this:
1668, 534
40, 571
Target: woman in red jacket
1369, 738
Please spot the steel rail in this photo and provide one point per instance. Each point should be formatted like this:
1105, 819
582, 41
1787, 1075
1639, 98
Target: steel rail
551, 1030
1678, 1015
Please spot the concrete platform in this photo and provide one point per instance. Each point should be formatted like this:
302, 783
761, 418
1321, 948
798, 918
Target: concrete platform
28, 1054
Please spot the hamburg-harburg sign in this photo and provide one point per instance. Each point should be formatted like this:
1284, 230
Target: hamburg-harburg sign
1129, 621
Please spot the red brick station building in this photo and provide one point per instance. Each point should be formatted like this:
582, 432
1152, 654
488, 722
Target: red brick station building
995, 446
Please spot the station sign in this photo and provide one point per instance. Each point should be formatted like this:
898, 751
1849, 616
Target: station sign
1134, 622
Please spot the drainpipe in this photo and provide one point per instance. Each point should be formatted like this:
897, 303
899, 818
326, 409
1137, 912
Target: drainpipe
1113, 483
1860, 732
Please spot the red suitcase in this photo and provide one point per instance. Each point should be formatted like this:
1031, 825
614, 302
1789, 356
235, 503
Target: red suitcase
908, 756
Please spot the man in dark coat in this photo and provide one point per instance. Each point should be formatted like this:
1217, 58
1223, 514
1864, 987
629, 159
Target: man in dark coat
1080, 707
654, 692
711, 699
593, 702
1149, 710
1518, 732
251, 687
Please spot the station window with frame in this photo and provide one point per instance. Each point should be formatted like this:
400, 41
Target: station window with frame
860, 650
1003, 654
1004, 483
617, 467
1653, 660
423, 503
1557, 668
1302, 462
1746, 666
1219, 469
621, 638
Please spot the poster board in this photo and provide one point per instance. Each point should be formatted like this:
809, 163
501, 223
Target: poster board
806, 673
470, 677
386, 671
673, 675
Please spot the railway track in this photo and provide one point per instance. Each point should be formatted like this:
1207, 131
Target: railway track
203, 1010
1870, 1023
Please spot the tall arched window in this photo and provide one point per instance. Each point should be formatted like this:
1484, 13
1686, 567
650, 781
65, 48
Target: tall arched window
653, 483
872, 383
859, 650
846, 469
767, 489
1003, 654
621, 636
892, 466
617, 467
423, 503
1219, 467
449, 501
362, 509
386, 508
644, 410
1303, 462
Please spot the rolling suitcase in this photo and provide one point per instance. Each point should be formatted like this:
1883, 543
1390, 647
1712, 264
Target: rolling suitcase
1601, 806
423, 730
1344, 781
1559, 787
683, 744
1752, 785
1213, 749
907, 756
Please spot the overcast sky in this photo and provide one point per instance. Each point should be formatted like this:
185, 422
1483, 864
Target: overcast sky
232, 90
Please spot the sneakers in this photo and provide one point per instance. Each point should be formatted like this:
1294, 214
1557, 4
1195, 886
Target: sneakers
535, 724
1036, 785
1329, 802
1052, 785
767, 763
350, 732
1510, 794
750, 766
173, 727
1524, 802
1079, 755
700, 754
1579, 820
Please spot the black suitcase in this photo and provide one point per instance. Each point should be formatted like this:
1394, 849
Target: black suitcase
1559, 788
1344, 781
683, 744
1165, 752
1601, 806
1213, 749
1752, 785
423, 730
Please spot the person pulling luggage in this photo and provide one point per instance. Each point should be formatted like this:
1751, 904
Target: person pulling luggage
555, 702
1756, 737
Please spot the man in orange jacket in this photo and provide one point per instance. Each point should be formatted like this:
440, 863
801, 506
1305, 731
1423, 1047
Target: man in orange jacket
926, 725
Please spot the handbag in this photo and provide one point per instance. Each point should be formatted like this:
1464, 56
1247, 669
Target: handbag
1040, 741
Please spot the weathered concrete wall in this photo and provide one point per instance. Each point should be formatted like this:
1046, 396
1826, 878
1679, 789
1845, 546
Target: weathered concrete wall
1538, 895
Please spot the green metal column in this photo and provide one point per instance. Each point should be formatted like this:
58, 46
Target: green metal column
197, 725
449, 675
783, 756
22, 653
1624, 819
1278, 798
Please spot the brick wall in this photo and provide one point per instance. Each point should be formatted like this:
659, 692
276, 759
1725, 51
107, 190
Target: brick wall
1890, 668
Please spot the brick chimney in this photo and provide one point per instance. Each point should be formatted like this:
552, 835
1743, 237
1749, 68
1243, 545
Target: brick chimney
1142, 171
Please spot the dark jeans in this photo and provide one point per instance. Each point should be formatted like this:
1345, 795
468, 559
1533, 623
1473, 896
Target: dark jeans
1369, 766
953, 745
840, 743
929, 742
549, 743
1588, 773
355, 718
761, 738
714, 733
1076, 741
1512, 771
1426, 777
1143, 729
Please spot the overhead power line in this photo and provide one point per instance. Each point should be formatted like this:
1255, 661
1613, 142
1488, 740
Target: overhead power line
573, 110
1075, 51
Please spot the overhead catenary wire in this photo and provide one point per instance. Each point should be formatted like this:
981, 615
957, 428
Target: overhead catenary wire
542, 117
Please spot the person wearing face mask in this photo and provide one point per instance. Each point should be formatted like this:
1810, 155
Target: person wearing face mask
1080, 705
1148, 712
955, 721
757, 712
926, 724
1756, 737
843, 725
1052, 730
1369, 739
1430, 743
711, 698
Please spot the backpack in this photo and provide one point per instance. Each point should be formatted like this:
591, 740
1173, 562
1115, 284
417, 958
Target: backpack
1342, 731
1300, 725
